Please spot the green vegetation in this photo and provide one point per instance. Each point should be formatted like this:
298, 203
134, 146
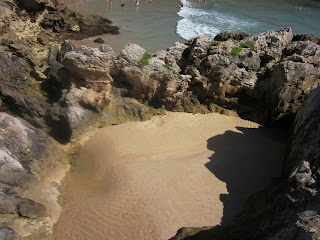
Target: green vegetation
167, 66
247, 44
214, 43
236, 51
173, 71
145, 59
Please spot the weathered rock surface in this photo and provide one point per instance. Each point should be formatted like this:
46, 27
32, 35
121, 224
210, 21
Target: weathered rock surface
28, 28
90, 66
8, 234
83, 83
259, 81
87, 110
21, 95
59, 18
154, 82
31, 167
289, 208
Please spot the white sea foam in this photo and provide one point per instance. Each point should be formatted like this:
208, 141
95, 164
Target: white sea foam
196, 21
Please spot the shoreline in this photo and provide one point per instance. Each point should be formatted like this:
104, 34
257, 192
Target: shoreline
150, 25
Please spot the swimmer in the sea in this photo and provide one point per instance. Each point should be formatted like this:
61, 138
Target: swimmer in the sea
181, 4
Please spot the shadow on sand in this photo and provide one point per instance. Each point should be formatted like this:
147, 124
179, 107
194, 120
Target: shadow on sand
246, 161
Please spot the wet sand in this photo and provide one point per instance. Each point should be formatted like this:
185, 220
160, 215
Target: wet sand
145, 180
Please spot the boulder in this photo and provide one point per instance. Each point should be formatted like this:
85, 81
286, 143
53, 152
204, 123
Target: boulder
271, 45
224, 36
90, 66
306, 37
173, 56
67, 22
304, 52
291, 81
197, 50
303, 163
153, 82
30, 209
7, 233
35, 5
87, 109
289, 84
99, 40
130, 56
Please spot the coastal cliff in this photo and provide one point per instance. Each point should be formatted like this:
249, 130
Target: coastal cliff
54, 94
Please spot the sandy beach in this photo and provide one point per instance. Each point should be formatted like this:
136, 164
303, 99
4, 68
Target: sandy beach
145, 180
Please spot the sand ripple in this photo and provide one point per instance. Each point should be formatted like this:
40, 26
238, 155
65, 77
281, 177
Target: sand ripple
145, 180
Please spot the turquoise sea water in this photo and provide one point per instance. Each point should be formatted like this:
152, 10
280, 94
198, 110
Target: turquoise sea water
159, 24
214, 16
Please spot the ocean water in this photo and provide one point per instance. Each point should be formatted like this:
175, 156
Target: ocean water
160, 24
150, 25
214, 16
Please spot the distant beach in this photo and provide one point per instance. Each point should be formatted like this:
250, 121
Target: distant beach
150, 25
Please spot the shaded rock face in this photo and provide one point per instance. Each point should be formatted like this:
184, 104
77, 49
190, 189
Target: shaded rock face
303, 163
21, 95
266, 81
290, 83
289, 208
31, 168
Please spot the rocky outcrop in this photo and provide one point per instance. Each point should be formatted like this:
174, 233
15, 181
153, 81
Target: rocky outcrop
153, 82
254, 75
32, 166
289, 208
28, 28
60, 19
21, 95
83, 83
